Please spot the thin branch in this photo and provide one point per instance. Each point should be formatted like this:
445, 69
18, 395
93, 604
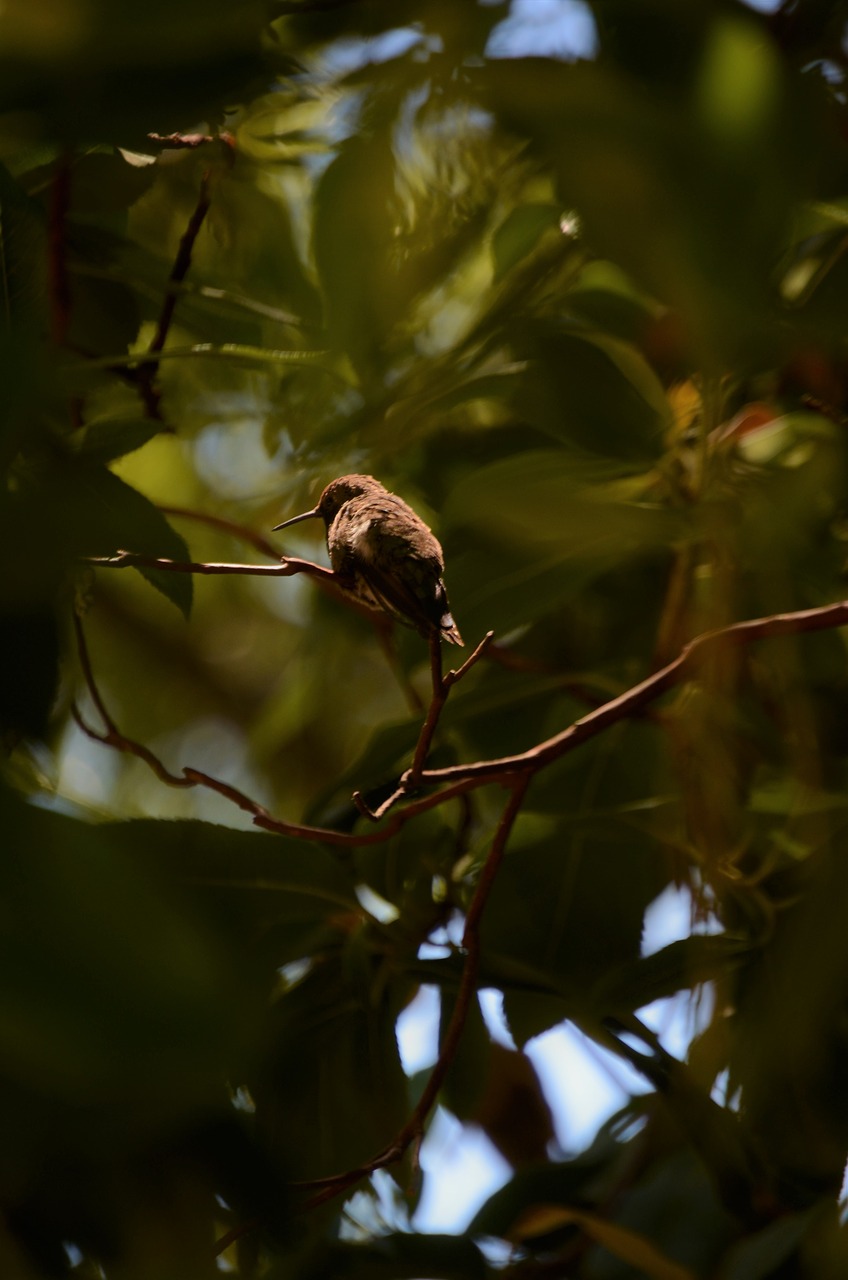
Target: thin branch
434, 711
442, 686
413, 1129
190, 141
223, 1243
287, 568
149, 393
189, 777
454, 677
627, 704
114, 738
182, 263
683, 667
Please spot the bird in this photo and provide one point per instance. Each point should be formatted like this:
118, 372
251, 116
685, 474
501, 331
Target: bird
384, 554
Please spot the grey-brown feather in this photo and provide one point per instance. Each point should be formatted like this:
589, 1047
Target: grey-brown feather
384, 554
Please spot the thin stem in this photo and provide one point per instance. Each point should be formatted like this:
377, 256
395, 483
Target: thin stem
150, 394
683, 667
413, 1129
442, 686
189, 777
182, 263
287, 568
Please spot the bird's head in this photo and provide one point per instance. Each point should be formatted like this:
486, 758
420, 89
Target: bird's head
336, 494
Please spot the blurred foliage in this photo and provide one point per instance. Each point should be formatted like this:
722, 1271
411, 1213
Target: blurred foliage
588, 317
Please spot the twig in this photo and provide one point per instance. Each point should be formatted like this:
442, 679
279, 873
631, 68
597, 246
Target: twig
189, 777
223, 1243
627, 704
414, 1127
190, 141
147, 372
287, 568
442, 686
182, 262
434, 711
822, 618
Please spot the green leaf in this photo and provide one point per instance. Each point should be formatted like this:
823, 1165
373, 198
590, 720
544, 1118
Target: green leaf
331, 1091
681, 965
519, 233
628, 1246
29, 676
280, 895
552, 908
763, 1253
22, 242
398, 1257
105, 439
90, 1012
124, 520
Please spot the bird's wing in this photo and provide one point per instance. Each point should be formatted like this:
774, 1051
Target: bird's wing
397, 597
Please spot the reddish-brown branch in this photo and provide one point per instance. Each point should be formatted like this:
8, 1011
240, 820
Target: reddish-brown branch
442, 686
189, 141
236, 1233
683, 667
288, 566
189, 777
413, 1129
627, 704
182, 262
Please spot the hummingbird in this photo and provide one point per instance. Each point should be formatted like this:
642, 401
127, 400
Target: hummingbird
384, 554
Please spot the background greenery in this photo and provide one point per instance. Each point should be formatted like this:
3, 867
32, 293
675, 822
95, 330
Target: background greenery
589, 319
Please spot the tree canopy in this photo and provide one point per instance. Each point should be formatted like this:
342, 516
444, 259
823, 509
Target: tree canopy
585, 311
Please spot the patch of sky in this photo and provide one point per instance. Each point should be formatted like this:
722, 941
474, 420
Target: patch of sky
679, 1018
350, 54
583, 1083
563, 29
461, 1170
375, 905
721, 1094
417, 1031
670, 918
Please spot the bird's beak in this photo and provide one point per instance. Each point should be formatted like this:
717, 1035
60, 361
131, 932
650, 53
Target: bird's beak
307, 515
